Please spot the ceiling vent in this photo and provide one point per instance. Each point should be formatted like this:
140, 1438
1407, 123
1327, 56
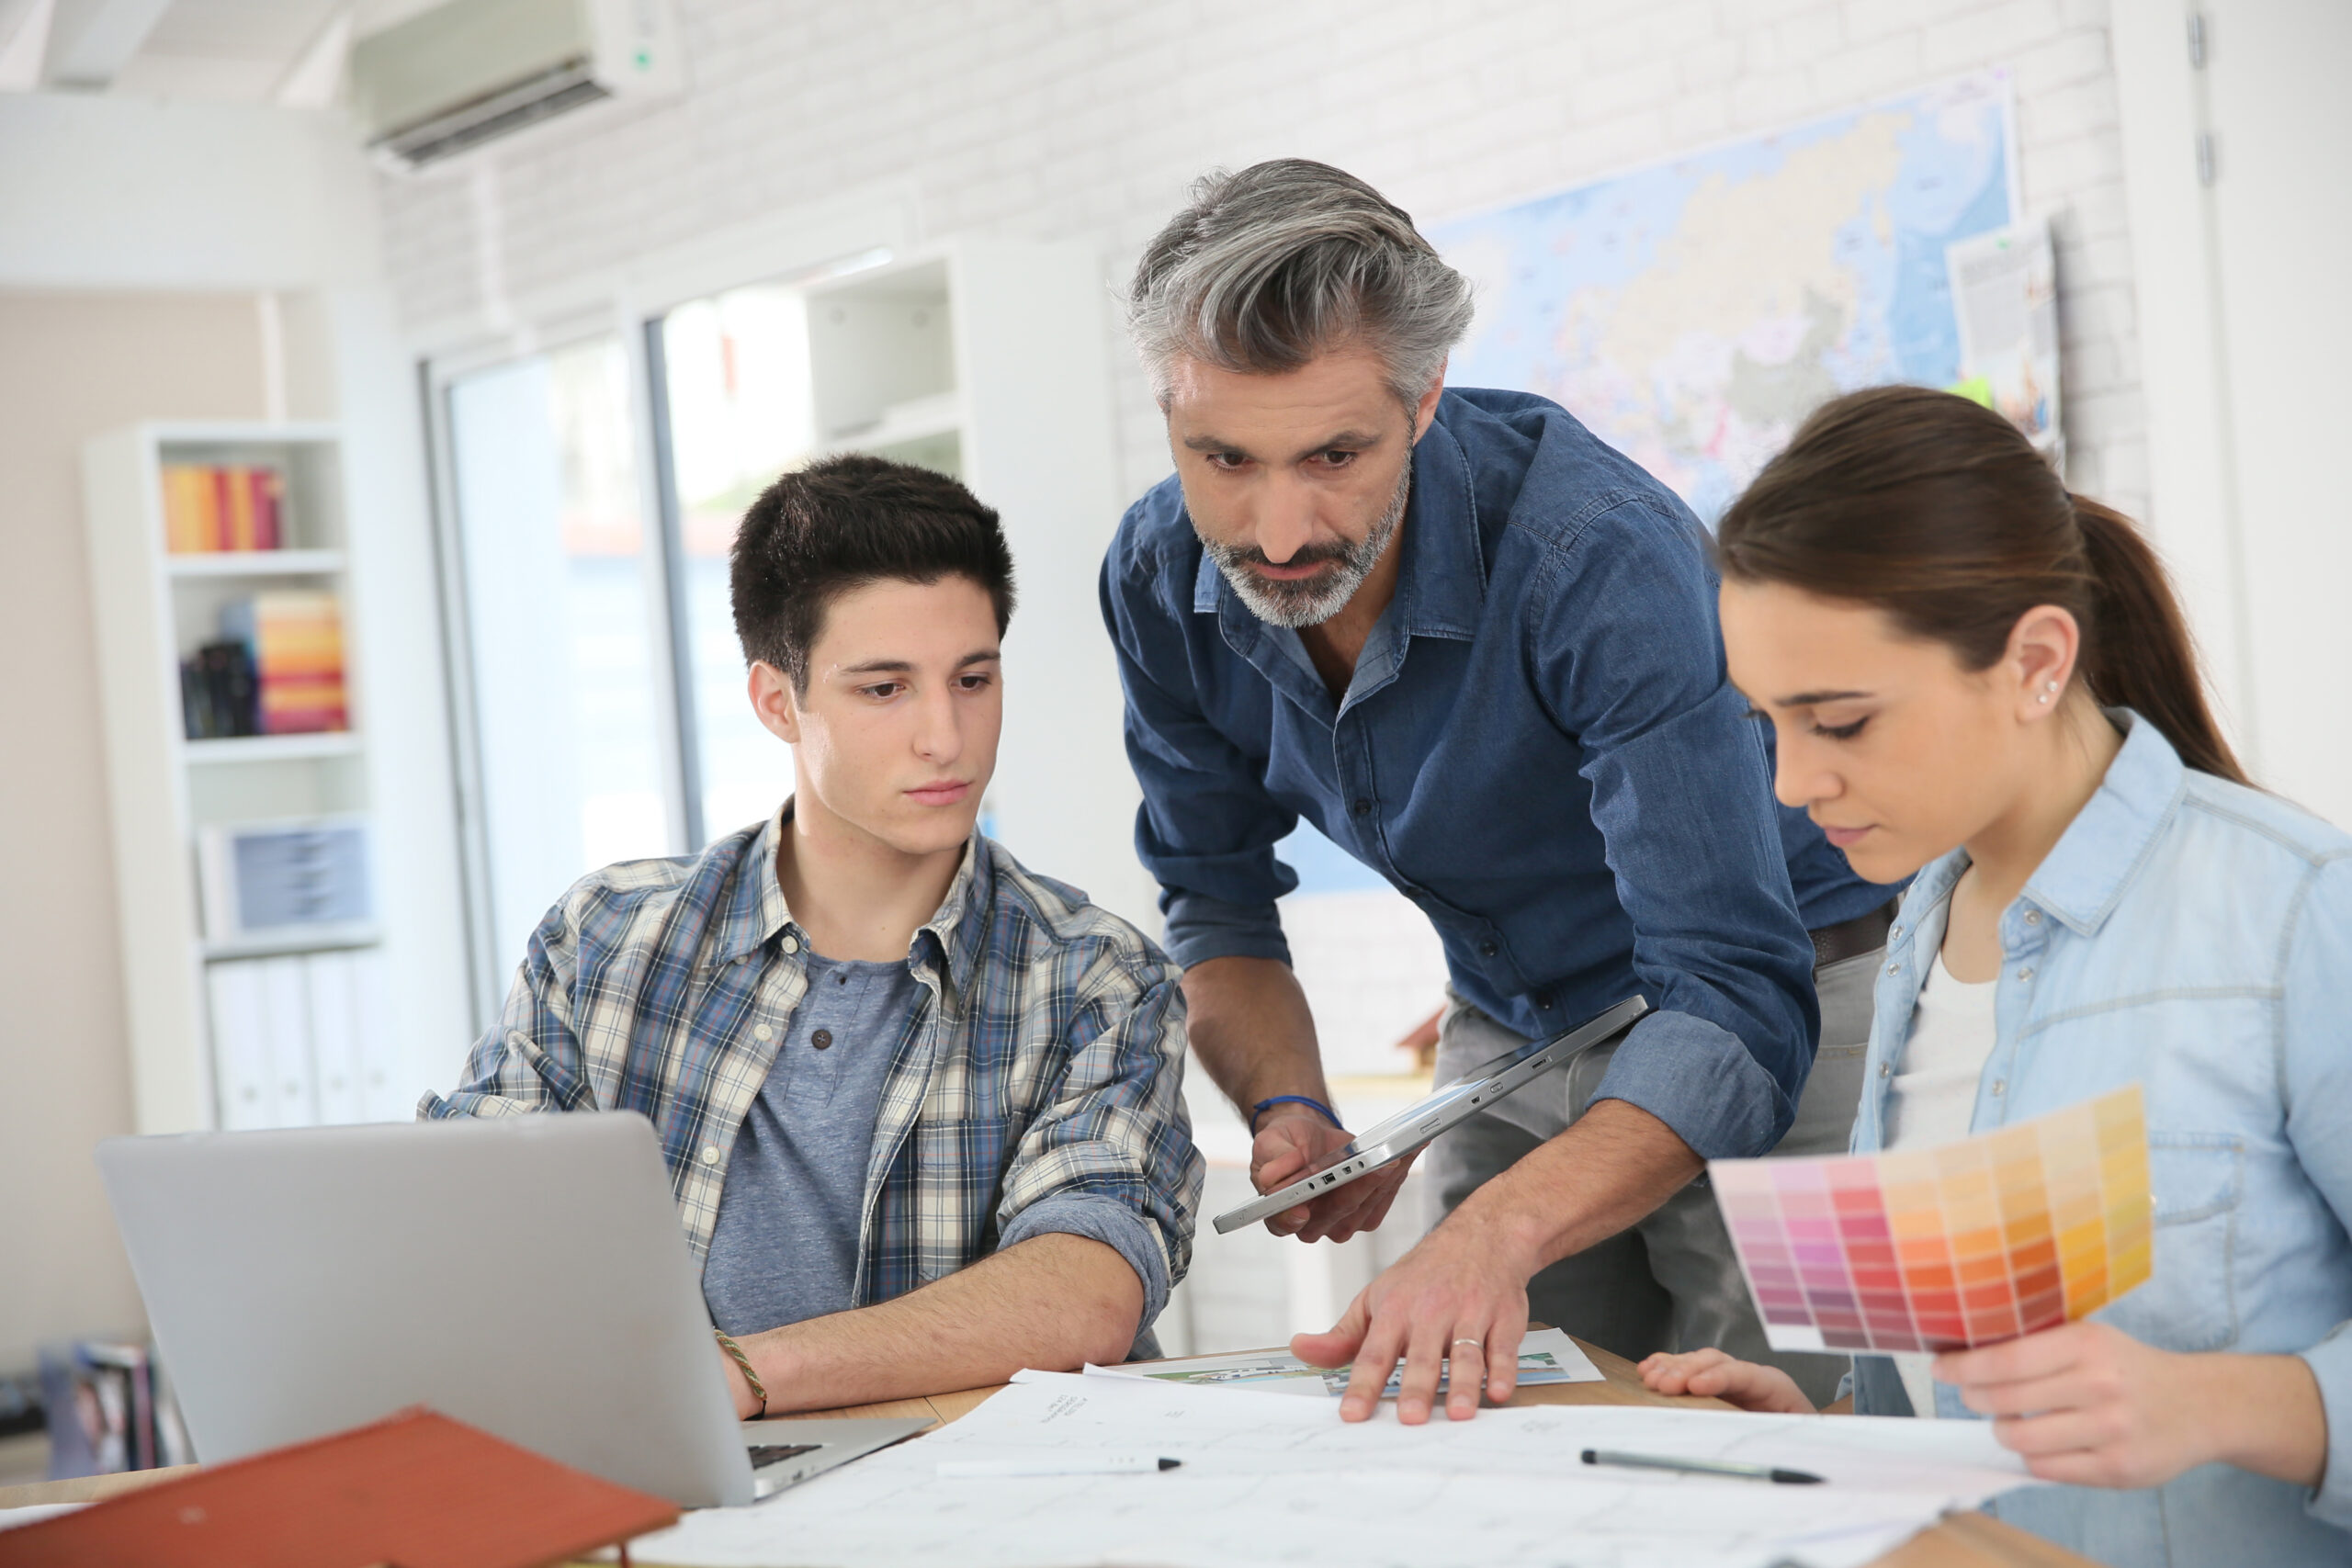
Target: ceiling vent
471, 72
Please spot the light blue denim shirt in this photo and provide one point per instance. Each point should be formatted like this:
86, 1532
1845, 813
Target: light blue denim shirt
2195, 937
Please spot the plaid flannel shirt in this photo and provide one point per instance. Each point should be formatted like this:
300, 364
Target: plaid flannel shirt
1045, 1059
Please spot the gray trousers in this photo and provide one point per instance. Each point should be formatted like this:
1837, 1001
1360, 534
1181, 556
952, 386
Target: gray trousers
1671, 1283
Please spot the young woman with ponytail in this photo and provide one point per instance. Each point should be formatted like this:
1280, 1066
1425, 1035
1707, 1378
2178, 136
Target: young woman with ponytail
1978, 678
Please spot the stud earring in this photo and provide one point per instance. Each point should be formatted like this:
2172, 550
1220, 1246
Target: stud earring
2049, 690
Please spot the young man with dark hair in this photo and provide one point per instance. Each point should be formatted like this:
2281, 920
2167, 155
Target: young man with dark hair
920, 1107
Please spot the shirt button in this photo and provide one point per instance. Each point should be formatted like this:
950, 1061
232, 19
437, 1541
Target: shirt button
790, 944
1894, 968
1887, 1070
710, 1157
2026, 973
2000, 1086
1485, 950
2034, 917
1892, 933
821, 1039
1359, 806
763, 1033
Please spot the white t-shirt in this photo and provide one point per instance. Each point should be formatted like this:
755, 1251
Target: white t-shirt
1932, 1099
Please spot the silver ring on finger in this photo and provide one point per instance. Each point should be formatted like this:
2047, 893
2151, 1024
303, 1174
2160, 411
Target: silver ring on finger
1477, 1344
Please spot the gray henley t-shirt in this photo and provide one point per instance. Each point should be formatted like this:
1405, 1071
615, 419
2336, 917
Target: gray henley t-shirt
785, 1245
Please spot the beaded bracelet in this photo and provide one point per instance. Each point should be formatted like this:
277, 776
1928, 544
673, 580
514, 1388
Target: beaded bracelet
743, 1364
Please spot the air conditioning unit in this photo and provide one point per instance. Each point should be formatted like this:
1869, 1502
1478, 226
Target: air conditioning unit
471, 71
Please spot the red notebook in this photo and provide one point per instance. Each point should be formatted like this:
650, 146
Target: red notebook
415, 1491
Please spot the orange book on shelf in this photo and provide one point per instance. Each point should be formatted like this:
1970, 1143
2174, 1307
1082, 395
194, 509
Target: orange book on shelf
224, 527
237, 485
176, 529
188, 509
418, 1490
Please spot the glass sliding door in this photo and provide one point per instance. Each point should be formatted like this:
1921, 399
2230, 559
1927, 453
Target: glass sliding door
560, 570
732, 391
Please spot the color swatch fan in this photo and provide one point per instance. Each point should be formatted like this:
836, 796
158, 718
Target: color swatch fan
1943, 1248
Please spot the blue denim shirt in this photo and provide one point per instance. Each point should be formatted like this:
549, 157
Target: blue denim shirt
1538, 747
2195, 937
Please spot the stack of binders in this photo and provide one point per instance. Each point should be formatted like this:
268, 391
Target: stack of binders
304, 1041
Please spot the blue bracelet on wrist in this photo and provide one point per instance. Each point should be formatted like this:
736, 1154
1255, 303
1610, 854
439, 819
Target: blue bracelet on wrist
1264, 1105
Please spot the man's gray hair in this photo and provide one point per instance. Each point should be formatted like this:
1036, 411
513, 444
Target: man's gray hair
1269, 267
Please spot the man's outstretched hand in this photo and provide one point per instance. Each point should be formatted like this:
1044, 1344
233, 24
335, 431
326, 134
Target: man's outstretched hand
1293, 1140
1467, 1280
1461, 1284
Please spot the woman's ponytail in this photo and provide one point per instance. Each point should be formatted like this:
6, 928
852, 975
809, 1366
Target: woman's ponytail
1938, 512
2142, 657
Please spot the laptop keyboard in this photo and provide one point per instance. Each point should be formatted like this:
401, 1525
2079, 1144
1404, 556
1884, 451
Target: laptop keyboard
765, 1454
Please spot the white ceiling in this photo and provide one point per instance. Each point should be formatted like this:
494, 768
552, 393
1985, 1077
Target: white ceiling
244, 51
223, 48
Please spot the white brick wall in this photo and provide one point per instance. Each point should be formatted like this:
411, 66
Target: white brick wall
1087, 117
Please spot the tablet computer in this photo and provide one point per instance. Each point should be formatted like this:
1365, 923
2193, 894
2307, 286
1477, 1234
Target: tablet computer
1377, 1147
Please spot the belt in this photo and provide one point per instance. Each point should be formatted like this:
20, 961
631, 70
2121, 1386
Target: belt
1851, 939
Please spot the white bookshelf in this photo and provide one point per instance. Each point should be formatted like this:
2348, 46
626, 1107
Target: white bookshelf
989, 361
270, 748
249, 564
152, 609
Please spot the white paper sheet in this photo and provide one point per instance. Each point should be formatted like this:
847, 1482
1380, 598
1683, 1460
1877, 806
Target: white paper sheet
1268, 1480
2005, 298
1547, 1356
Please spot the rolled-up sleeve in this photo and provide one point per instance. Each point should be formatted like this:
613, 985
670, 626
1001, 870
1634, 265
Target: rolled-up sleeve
1105, 1220
1112, 1157
1624, 645
1207, 827
1200, 928
2316, 1057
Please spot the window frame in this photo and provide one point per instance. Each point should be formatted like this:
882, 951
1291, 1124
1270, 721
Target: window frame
631, 304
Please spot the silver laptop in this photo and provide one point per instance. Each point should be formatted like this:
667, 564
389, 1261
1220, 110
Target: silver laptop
1375, 1149
526, 1275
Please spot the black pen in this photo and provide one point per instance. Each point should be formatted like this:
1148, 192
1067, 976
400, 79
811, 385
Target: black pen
1705, 1467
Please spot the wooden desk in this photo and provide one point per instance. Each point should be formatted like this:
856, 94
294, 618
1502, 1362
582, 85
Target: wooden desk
1964, 1540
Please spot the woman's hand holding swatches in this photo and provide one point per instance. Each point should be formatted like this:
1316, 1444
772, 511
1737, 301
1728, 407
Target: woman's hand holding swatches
2086, 1404
2090, 1405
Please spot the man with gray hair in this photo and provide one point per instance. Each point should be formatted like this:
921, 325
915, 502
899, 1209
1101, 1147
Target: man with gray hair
1477, 650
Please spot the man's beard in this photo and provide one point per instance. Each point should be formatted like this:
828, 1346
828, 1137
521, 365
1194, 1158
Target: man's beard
1311, 601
